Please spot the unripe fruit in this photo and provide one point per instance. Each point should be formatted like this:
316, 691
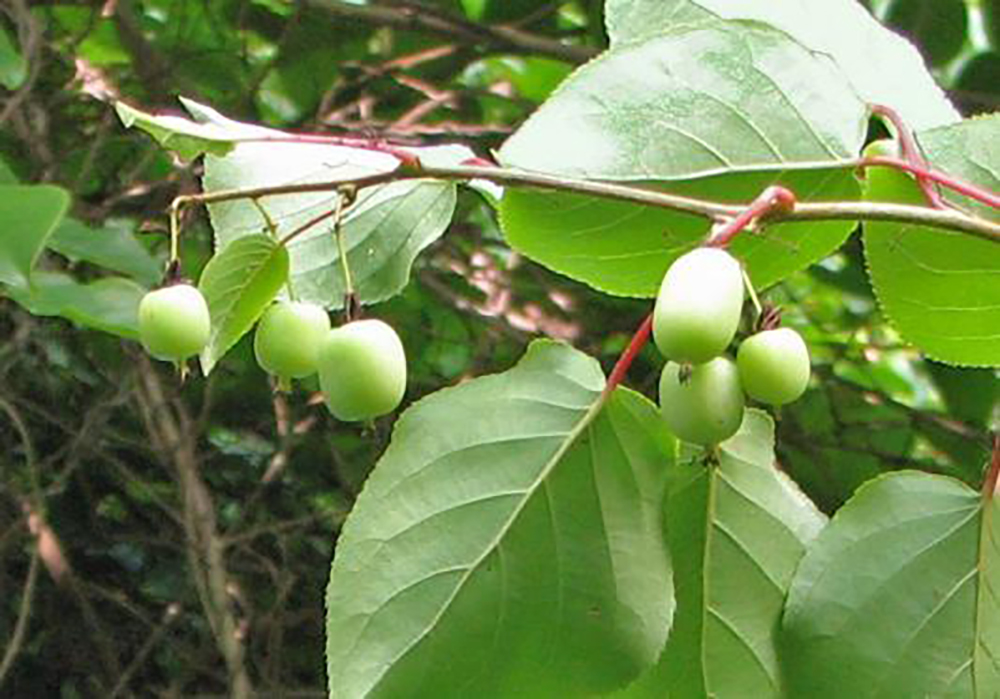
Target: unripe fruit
288, 337
362, 370
706, 407
774, 366
698, 307
174, 323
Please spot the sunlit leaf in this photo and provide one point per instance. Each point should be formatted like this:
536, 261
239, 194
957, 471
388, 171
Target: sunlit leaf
508, 544
882, 67
715, 112
716, 98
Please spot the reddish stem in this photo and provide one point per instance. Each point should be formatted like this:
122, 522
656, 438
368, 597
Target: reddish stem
639, 340
969, 190
773, 198
993, 471
910, 152
478, 162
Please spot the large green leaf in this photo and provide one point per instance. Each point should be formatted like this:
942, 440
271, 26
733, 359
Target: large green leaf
110, 304
898, 596
718, 111
113, 246
716, 98
508, 543
28, 213
882, 67
941, 290
736, 531
239, 283
625, 249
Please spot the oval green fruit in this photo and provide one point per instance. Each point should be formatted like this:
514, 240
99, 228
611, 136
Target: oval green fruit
705, 407
774, 366
288, 337
362, 370
698, 307
174, 322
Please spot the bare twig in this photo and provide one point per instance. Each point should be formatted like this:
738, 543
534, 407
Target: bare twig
23, 615
171, 431
409, 16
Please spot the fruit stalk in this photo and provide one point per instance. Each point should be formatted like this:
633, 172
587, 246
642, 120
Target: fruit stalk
635, 345
774, 198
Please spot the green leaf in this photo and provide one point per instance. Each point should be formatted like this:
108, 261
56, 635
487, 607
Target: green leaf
508, 543
714, 98
113, 246
7, 175
625, 249
882, 67
897, 596
940, 289
383, 231
110, 304
28, 213
13, 67
239, 283
736, 532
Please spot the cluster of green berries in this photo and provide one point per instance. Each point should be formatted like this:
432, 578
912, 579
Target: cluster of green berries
695, 319
361, 365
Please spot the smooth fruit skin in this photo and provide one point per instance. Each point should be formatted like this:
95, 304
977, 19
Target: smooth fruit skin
362, 370
698, 307
288, 337
774, 366
706, 408
174, 323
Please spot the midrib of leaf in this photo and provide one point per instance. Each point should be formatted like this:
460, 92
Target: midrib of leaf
705, 569
948, 597
497, 540
230, 296
712, 523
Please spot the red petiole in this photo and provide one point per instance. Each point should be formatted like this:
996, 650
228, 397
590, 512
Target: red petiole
925, 173
639, 340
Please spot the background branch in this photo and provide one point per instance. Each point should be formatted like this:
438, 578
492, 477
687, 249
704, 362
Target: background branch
409, 16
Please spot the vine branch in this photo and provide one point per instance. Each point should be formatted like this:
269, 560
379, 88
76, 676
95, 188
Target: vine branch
947, 219
416, 17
